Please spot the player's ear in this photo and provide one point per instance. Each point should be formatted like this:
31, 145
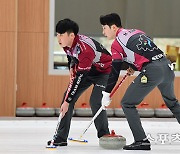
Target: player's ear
72, 35
114, 27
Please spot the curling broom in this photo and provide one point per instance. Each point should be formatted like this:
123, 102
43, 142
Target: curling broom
52, 146
97, 113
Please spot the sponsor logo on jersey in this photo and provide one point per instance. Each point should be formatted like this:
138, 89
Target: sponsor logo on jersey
158, 56
77, 84
146, 43
100, 64
86, 68
76, 51
102, 86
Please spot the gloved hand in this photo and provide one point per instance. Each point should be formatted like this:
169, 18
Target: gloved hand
105, 99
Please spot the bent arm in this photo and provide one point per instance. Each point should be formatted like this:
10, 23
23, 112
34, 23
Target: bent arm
114, 75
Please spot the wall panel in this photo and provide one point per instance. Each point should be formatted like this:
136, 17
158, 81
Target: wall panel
7, 73
8, 50
30, 68
8, 15
46, 15
31, 15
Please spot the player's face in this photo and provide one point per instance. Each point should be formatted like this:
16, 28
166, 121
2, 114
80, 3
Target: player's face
108, 32
65, 39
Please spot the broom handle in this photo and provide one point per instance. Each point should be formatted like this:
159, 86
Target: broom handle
119, 84
95, 116
60, 115
101, 108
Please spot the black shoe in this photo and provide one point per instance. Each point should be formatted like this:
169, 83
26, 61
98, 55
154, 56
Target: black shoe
138, 145
58, 142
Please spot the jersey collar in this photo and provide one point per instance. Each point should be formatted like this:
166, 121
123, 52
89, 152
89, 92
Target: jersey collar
70, 49
119, 30
74, 42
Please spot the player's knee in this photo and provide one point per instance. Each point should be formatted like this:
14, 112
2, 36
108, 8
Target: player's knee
127, 104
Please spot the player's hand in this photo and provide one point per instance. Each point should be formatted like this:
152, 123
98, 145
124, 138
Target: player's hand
64, 108
130, 71
105, 99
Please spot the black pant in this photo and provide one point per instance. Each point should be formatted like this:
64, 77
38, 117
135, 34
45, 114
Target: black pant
101, 122
158, 74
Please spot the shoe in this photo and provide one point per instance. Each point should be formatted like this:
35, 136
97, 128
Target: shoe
138, 145
58, 142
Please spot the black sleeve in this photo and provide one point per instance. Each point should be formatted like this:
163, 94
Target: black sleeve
114, 75
69, 61
80, 77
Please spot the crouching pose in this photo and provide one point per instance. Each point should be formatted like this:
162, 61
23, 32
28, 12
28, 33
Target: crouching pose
90, 64
136, 48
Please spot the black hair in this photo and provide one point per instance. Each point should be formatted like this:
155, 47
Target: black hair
67, 25
111, 19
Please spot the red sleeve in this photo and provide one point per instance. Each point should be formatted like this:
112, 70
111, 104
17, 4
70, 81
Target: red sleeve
86, 58
117, 51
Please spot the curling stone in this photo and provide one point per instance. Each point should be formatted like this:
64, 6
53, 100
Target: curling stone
145, 111
112, 141
57, 110
25, 111
119, 112
163, 112
110, 112
45, 111
83, 111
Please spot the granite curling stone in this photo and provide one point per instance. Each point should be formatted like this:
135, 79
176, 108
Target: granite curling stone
57, 112
110, 112
83, 111
112, 141
25, 111
118, 112
163, 112
45, 111
145, 111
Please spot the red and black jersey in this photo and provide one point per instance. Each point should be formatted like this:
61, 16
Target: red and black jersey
86, 53
134, 47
